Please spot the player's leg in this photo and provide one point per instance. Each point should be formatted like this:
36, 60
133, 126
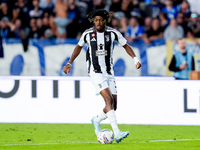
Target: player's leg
100, 83
115, 102
119, 135
109, 101
109, 108
97, 120
108, 98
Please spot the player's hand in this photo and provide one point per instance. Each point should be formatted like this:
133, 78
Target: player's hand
67, 68
138, 65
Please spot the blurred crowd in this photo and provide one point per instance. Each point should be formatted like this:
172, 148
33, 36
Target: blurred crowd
135, 19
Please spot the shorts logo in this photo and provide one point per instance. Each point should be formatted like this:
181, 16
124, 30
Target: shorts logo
100, 86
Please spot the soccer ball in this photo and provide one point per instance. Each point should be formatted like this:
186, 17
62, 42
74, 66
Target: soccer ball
105, 136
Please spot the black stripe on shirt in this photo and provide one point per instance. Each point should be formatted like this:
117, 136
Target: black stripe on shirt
93, 43
88, 59
116, 37
85, 38
107, 41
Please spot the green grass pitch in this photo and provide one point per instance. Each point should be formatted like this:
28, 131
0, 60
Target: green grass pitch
22, 136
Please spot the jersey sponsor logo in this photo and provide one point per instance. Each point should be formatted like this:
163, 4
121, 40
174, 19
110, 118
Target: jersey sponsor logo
101, 51
93, 39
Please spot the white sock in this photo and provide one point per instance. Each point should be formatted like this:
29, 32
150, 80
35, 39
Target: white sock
100, 117
113, 120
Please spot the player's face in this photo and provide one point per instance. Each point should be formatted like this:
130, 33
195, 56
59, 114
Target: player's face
99, 23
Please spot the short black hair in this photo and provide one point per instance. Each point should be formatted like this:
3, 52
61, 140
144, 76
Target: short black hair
99, 12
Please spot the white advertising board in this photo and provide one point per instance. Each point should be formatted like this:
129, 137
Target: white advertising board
72, 100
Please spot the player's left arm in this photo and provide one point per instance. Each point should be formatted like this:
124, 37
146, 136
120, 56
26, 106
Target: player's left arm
130, 51
123, 42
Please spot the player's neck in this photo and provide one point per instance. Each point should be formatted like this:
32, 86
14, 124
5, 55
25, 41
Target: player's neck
100, 31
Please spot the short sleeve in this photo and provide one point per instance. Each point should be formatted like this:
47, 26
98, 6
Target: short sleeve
82, 40
120, 39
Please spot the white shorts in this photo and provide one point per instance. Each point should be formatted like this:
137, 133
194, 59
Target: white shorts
102, 81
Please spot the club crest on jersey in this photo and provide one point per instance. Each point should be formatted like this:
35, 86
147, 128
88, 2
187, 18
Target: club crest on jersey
93, 35
107, 38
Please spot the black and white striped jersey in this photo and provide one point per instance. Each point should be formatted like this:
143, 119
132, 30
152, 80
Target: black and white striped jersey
100, 48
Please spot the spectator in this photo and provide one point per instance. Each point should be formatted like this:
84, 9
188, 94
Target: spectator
115, 6
84, 8
126, 7
107, 5
154, 33
45, 3
134, 30
5, 29
173, 31
36, 11
74, 17
49, 9
4, 11
123, 25
40, 27
115, 9
163, 20
193, 28
19, 31
48, 34
170, 10
115, 23
34, 32
98, 4
45, 24
21, 11
153, 9
184, 8
135, 10
17, 28
147, 24
182, 62
181, 21
61, 19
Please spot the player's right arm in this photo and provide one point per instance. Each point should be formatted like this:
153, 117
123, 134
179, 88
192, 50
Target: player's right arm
76, 52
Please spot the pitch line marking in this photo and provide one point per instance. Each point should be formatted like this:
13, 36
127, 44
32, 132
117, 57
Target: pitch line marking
68, 143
